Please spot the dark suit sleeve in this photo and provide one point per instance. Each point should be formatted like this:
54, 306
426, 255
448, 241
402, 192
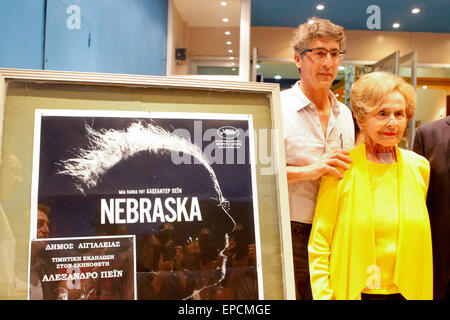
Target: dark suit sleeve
418, 145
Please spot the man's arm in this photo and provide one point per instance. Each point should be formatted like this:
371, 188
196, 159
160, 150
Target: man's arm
330, 163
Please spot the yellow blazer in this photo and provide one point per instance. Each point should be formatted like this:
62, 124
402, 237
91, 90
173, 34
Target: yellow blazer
342, 243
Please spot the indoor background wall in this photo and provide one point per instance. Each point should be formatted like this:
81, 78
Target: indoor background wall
111, 36
363, 47
22, 34
274, 42
431, 104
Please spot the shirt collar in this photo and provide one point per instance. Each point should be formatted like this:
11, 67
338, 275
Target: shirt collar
303, 101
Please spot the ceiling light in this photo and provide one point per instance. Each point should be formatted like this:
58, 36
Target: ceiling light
233, 63
320, 7
396, 25
234, 69
415, 10
424, 87
258, 66
340, 68
229, 43
225, 20
230, 51
337, 94
278, 77
227, 33
231, 58
223, 3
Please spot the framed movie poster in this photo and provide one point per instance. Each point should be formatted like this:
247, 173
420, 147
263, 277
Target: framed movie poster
188, 163
182, 184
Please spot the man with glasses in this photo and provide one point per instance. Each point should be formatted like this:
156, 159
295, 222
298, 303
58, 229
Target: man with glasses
318, 131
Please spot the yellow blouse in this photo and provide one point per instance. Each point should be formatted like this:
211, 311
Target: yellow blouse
343, 248
384, 186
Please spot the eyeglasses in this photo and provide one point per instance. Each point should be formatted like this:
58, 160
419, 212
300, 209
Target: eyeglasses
320, 54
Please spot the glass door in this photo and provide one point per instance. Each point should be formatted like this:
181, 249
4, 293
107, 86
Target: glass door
389, 64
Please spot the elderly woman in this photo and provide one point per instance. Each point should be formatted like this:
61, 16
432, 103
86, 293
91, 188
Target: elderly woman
371, 234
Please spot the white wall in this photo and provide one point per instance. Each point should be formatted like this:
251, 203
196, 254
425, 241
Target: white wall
431, 104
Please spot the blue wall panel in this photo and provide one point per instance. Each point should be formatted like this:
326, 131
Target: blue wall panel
21, 33
119, 36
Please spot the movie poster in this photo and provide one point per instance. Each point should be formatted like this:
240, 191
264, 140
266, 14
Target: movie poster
182, 184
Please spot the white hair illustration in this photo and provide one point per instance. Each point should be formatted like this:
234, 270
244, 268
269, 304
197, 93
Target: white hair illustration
108, 147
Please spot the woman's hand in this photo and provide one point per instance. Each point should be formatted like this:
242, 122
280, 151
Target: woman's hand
329, 163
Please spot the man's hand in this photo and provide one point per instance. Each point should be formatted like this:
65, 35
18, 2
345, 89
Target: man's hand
329, 163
